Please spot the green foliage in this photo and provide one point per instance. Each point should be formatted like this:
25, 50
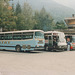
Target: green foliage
60, 25
25, 20
44, 20
27, 15
18, 9
7, 18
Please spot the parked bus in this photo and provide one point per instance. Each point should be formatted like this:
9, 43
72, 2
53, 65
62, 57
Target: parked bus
55, 40
25, 40
72, 40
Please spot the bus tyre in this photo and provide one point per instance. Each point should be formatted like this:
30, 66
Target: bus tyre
18, 48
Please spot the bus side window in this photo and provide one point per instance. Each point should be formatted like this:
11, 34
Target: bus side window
17, 36
1, 36
27, 35
49, 37
46, 37
8, 37
57, 38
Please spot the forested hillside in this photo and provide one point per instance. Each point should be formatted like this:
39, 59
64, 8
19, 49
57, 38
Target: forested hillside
16, 15
58, 11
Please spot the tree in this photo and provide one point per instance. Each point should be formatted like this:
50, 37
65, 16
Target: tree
60, 25
28, 17
44, 20
18, 9
37, 21
25, 19
7, 18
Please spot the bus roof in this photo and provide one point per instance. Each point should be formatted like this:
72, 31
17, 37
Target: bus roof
21, 31
53, 32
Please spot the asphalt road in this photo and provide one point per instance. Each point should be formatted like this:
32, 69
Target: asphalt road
37, 63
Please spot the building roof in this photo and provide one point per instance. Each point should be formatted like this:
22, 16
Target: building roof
70, 18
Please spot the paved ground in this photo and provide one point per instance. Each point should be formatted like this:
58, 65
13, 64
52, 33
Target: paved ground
37, 63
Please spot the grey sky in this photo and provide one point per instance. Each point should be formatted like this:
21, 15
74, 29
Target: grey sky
69, 3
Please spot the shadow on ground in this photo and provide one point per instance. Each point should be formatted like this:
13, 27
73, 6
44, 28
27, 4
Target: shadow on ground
34, 52
29, 52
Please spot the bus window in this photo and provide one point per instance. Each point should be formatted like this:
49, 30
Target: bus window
39, 35
27, 35
50, 38
8, 37
55, 40
17, 36
56, 37
1, 36
46, 37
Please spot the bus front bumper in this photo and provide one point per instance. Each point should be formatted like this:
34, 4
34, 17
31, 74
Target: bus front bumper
39, 48
62, 47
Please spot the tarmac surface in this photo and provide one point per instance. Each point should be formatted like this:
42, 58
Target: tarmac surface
37, 63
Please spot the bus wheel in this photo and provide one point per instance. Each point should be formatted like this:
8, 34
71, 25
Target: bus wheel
18, 48
46, 48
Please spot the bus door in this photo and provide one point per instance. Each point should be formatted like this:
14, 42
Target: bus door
55, 40
50, 40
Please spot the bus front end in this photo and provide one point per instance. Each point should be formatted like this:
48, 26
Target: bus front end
62, 42
62, 45
39, 40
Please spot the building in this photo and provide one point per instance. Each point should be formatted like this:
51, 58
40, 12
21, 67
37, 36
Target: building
70, 22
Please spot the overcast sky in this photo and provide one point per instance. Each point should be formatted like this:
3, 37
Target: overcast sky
69, 3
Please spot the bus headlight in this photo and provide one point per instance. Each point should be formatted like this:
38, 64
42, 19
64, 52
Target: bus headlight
37, 45
24, 46
28, 46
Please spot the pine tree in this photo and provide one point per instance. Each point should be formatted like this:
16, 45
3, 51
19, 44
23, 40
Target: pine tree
60, 25
18, 9
25, 19
44, 20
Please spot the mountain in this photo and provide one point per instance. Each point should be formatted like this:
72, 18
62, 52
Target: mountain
69, 3
58, 11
